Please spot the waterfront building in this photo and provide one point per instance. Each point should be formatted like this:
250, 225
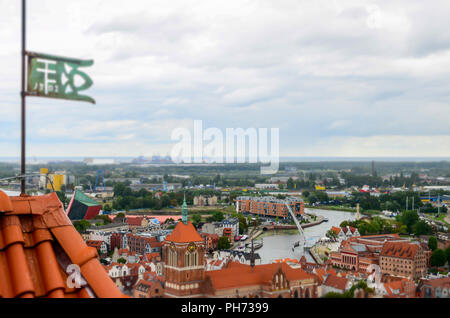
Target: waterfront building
343, 233
269, 206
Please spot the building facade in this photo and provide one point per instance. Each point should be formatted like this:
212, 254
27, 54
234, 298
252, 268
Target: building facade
403, 259
269, 206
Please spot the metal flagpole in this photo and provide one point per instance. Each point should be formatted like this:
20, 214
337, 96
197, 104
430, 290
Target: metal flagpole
23, 170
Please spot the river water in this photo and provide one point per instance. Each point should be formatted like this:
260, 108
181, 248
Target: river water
278, 244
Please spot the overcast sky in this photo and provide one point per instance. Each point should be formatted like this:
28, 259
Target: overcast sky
338, 78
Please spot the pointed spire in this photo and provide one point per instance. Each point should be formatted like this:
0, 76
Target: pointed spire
184, 211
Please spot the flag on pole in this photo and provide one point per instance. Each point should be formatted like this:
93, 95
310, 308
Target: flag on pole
57, 77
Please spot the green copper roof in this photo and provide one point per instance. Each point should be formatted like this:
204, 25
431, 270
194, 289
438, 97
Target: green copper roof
184, 211
81, 197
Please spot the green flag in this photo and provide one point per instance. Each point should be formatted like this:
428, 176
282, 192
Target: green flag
57, 77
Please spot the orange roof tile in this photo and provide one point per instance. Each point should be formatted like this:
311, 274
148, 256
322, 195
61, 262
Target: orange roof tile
37, 243
184, 233
336, 282
237, 274
336, 230
399, 249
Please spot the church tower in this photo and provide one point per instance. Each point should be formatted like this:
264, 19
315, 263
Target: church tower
184, 258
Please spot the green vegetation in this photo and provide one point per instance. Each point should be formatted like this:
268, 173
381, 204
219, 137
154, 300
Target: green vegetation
438, 258
104, 218
121, 260
376, 225
432, 243
216, 217
81, 225
196, 219
447, 254
406, 223
223, 243
351, 292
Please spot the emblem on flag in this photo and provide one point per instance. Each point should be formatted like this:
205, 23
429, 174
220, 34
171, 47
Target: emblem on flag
58, 77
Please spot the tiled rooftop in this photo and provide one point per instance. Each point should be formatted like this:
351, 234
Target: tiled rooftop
184, 233
37, 243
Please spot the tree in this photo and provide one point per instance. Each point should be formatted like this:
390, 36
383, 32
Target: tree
81, 225
330, 234
218, 216
196, 219
421, 228
447, 254
223, 243
409, 218
432, 243
438, 258
165, 201
62, 197
121, 260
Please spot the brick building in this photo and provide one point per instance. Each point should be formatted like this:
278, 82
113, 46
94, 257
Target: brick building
269, 206
100, 246
148, 289
434, 288
141, 244
358, 253
184, 258
403, 259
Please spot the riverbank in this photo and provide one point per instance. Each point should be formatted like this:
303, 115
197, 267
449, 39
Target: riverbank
343, 209
332, 208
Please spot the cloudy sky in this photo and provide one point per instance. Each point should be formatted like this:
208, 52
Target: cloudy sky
338, 78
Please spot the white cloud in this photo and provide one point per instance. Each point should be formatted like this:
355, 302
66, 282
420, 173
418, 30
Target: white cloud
352, 70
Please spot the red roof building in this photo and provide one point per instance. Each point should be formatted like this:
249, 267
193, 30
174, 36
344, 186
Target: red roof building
38, 243
403, 259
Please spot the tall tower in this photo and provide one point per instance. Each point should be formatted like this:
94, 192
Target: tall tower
184, 259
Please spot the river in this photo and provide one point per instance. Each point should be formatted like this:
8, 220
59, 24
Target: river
278, 244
